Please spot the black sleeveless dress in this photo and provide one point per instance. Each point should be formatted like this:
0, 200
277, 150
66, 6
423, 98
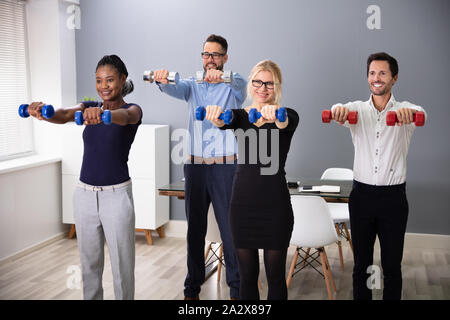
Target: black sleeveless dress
260, 210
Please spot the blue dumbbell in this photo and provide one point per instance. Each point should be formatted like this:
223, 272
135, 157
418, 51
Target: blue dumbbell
254, 115
47, 111
226, 116
106, 117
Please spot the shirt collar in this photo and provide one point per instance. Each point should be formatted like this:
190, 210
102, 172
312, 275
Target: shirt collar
389, 105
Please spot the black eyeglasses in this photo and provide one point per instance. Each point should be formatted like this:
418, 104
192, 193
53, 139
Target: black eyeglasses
215, 55
258, 84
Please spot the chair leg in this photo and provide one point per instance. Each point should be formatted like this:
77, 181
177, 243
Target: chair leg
348, 235
207, 251
330, 274
219, 266
291, 270
308, 250
325, 273
341, 257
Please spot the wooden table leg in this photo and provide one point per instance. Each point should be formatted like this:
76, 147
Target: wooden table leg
160, 231
72, 231
349, 239
341, 257
148, 235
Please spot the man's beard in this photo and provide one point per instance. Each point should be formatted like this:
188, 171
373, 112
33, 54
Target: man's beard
382, 93
216, 68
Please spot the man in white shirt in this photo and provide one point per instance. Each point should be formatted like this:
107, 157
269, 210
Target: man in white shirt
378, 204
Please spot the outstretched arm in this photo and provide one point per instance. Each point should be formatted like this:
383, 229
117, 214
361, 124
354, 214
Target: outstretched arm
122, 117
61, 116
180, 90
340, 112
405, 115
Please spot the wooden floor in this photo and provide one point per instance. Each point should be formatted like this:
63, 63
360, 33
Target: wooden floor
51, 273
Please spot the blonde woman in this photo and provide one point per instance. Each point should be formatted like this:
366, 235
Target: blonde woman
260, 210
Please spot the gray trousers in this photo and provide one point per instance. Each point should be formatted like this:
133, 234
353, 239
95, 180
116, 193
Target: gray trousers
99, 215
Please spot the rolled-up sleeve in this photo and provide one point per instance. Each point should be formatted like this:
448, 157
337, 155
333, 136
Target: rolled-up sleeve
181, 90
239, 87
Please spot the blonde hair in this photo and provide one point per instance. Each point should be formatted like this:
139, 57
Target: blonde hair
267, 65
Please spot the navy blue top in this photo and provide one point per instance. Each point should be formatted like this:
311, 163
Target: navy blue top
106, 149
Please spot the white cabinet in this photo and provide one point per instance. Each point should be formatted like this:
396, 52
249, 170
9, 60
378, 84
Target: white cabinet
72, 156
148, 165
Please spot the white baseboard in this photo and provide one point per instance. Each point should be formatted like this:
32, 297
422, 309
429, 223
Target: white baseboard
427, 241
33, 247
178, 229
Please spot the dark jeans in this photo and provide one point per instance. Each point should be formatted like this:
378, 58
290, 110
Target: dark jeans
205, 184
382, 211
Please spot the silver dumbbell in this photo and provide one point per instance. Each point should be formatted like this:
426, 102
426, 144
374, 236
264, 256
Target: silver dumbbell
227, 76
173, 77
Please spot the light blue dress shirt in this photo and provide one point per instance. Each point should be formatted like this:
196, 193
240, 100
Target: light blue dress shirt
205, 140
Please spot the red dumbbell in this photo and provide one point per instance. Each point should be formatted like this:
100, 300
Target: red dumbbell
352, 116
418, 118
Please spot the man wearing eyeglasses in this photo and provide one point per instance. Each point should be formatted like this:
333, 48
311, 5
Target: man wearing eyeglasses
212, 159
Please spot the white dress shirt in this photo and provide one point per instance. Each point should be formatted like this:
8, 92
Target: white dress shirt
380, 150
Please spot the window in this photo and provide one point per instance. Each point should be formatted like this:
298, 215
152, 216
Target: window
16, 134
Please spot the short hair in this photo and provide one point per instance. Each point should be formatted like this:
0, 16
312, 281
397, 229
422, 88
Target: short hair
267, 65
218, 39
383, 56
114, 61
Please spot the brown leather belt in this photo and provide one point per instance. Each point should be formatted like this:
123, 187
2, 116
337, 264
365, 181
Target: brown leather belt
214, 160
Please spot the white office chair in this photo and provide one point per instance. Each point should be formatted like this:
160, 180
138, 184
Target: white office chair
337, 174
339, 211
215, 243
313, 228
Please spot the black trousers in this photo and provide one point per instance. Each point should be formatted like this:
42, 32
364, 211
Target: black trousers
206, 183
382, 211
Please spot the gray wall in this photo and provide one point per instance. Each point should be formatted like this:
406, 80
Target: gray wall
321, 47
